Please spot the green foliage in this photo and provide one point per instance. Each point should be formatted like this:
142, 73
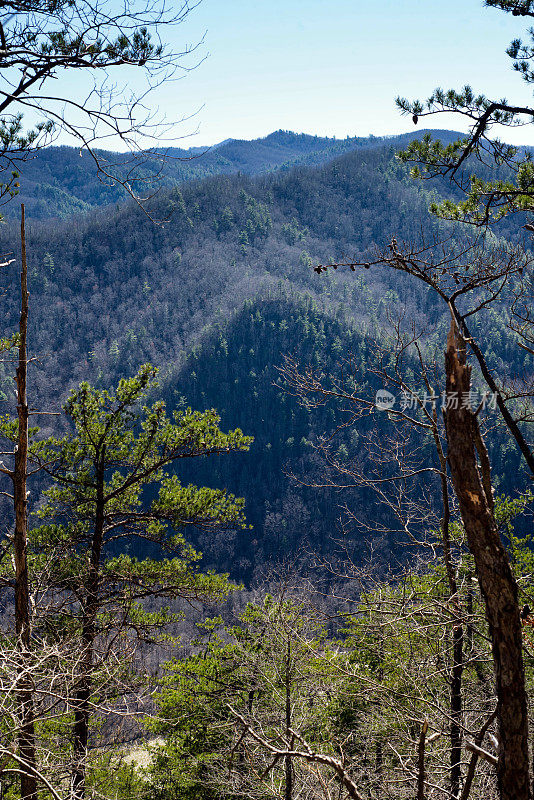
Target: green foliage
111, 548
293, 233
487, 198
237, 365
225, 222
520, 545
60, 181
366, 692
93, 314
114, 464
14, 140
276, 649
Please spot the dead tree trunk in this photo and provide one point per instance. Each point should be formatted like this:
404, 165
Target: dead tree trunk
288, 791
497, 583
456, 672
421, 775
24, 694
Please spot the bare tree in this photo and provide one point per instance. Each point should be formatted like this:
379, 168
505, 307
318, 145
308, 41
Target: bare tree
42, 41
469, 278
18, 475
399, 474
470, 471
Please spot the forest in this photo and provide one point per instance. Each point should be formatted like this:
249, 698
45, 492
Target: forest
266, 422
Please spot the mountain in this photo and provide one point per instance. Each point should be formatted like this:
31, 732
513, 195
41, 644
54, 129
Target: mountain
111, 289
235, 370
60, 181
217, 296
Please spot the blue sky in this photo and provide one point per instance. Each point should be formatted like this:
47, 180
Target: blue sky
334, 67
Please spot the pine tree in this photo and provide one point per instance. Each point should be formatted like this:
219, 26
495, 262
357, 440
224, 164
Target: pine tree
112, 491
487, 197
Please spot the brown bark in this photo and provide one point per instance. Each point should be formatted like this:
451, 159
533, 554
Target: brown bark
455, 730
497, 583
421, 776
288, 793
456, 709
26, 738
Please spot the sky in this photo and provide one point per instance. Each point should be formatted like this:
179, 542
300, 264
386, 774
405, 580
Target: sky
333, 67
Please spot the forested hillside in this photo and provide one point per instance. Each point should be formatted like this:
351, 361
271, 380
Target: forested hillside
235, 369
266, 408
60, 181
217, 296
226, 237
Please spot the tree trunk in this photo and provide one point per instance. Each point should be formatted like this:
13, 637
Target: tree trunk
497, 583
421, 775
455, 730
288, 794
456, 709
26, 737
84, 681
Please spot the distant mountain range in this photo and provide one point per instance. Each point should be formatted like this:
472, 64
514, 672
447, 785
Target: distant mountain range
60, 181
217, 296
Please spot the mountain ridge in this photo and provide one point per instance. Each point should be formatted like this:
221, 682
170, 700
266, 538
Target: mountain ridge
110, 290
60, 180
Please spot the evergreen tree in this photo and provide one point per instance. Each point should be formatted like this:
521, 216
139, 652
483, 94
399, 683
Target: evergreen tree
110, 489
511, 189
271, 672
